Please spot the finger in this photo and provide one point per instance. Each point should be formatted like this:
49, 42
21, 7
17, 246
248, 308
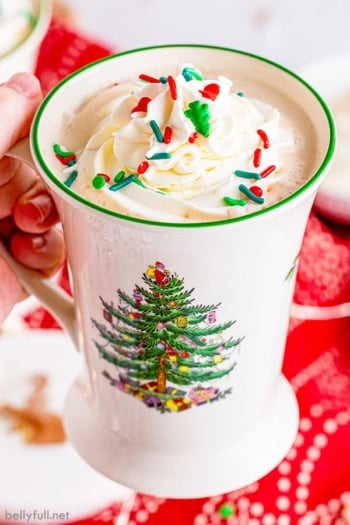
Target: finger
19, 99
25, 196
11, 293
8, 169
20, 178
7, 227
43, 252
35, 210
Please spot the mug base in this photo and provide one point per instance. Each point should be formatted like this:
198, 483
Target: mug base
207, 473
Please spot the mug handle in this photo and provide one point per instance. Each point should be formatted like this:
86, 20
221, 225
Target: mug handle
53, 297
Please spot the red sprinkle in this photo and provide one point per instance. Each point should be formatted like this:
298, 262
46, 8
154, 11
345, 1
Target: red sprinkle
264, 138
148, 78
141, 105
172, 87
256, 190
142, 167
210, 91
167, 135
193, 137
267, 171
257, 157
106, 177
65, 160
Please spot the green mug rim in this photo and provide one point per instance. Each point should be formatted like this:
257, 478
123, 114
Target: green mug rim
259, 213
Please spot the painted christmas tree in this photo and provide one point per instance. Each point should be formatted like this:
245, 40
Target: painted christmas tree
159, 340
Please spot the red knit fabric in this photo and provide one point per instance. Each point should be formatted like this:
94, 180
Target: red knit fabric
64, 51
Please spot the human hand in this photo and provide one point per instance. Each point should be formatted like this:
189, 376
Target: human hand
27, 212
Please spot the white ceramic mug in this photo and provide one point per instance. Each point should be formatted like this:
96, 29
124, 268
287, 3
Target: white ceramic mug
24, 55
181, 327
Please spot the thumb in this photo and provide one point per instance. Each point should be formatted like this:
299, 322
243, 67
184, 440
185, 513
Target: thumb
19, 99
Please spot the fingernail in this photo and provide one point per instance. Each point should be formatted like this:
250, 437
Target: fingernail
37, 241
38, 208
24, 84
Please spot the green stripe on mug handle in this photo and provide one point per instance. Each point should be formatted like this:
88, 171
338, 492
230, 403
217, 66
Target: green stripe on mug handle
53, 297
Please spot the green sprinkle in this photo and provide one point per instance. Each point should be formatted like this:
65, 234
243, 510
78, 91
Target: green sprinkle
227, 510
240, 94
156, 130
242, 188
68, 182
234, 202
159, 156
247, 174
163, 80
189, 73
139, 182
98, 182
119, 176
122, 183
59, 151
199, 114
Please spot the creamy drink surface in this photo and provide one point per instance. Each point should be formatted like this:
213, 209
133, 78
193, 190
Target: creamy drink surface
189, 146
17, 19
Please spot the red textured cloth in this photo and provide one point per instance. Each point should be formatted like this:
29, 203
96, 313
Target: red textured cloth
312, 484
64, 51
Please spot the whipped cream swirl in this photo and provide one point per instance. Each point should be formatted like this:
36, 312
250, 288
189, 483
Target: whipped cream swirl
194, 149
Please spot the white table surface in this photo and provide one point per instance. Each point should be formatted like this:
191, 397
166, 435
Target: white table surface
294, 33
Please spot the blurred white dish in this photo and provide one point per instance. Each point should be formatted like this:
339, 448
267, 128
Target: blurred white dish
45, 477
331, 79
23, 56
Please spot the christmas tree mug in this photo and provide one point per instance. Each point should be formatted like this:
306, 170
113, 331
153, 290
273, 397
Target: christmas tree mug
181, 326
